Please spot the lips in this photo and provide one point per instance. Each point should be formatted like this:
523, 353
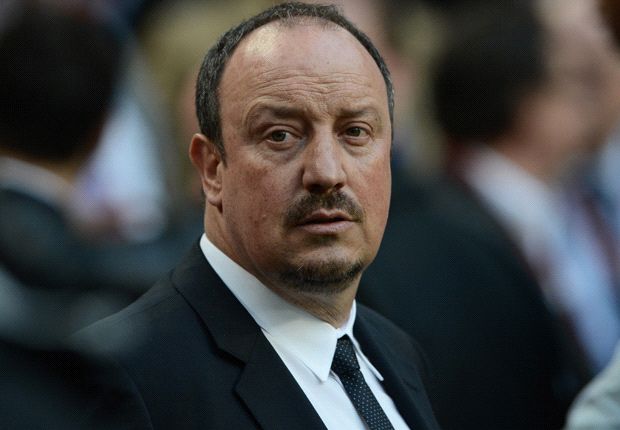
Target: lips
324, 213
326, 222
325, 217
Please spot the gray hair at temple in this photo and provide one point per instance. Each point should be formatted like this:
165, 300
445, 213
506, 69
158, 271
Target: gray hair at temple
214, 63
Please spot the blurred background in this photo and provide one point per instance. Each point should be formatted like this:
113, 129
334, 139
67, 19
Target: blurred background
502, 253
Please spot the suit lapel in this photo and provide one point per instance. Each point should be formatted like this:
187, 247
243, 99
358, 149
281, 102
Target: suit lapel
265, 385
268, 389
401, 381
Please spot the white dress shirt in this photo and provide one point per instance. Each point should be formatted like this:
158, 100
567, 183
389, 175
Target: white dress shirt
305, 344
559, 243
608, 178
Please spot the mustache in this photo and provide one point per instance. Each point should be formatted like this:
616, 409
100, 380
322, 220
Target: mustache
309, 203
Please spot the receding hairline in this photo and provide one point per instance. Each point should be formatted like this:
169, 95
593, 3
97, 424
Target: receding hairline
295, 22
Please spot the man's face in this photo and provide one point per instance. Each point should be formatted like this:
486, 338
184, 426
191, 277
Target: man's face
569, 113
305, 190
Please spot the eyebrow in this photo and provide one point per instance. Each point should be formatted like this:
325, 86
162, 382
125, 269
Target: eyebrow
281, 111
277, 111
363, 112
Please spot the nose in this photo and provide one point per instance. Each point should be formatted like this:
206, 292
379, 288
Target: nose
323, 165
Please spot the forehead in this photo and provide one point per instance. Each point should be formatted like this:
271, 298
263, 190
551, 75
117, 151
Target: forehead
282, 58
577, 45
297, 41
575, 27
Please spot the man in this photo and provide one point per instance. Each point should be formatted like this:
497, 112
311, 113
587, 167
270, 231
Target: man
598, 404
58, 68
295, 108
463, 268
51, 118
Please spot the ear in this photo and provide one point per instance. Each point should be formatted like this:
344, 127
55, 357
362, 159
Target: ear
207, 159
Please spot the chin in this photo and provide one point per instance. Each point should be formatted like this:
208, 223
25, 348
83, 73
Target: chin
326, 276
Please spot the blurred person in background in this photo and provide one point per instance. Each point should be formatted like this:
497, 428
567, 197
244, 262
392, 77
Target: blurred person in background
46, 384
37, 378
41, 182
603, 178
122, 194
514, 306
58, 68
598, 406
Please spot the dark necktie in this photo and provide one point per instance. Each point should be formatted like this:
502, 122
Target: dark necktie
347, 368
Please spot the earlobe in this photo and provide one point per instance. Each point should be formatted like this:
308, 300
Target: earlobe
207, 159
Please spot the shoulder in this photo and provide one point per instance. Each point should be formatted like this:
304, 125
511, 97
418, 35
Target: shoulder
58, 384
140, 347
380, 324
450, 204
393, 339
141, 323
28, 215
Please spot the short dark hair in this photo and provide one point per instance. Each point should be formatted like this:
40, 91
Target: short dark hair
58, 70
214, 63
495, 57
611, 15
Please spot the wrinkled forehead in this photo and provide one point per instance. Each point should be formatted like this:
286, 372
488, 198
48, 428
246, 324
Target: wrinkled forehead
285, 59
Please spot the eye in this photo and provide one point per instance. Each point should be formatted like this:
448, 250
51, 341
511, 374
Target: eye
279, 136
356, 135
280, 139
355, 131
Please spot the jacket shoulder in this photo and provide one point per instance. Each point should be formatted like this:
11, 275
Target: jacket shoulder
395, 339
134, 325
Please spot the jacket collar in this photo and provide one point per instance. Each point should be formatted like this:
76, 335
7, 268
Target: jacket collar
265, 385
401, 378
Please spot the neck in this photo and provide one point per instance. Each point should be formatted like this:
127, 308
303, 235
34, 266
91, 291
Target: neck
543, 163
331, 307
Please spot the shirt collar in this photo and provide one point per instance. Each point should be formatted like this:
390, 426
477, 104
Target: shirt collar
504, 186
309, 339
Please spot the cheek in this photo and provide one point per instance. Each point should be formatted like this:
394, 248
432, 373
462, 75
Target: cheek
558, 122
376, 183
571, 121
258, 194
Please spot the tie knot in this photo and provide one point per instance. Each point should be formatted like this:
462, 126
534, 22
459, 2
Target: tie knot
345, 361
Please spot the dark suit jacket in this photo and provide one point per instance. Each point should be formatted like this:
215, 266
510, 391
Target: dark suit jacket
43, 384
450, 276
40, 248
191, 357
37, 245
49, 387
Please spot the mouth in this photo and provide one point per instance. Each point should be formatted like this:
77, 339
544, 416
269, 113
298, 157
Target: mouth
325, 217
326, 222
